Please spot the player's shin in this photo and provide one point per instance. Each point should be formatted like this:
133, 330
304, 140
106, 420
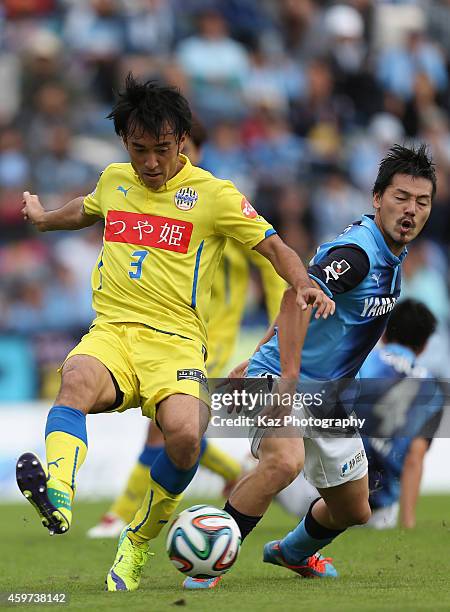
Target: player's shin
66, 446
167, 483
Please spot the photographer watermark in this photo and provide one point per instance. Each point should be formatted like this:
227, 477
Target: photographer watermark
371, 407
265, 420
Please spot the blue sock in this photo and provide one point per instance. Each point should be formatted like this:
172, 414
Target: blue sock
169, 476
68, 420
149, 454
306, 539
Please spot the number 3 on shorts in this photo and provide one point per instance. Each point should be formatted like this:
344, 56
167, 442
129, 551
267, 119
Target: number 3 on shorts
141, 255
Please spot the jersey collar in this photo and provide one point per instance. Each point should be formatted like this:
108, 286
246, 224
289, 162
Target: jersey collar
179, 177
369, 222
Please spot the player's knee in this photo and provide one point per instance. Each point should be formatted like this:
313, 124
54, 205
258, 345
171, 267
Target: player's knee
281, 471
184, 448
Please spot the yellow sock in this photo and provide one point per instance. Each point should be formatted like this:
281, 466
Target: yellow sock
65, 456
155, 512
128, 503
220, 462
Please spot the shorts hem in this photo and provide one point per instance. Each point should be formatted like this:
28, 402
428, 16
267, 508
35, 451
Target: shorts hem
336, 483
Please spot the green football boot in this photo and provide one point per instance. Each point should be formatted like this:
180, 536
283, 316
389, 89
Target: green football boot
125, 573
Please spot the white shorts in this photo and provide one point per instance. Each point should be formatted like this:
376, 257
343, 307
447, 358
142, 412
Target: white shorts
329, 460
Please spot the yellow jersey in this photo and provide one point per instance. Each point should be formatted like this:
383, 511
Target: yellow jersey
161, 248
228, 299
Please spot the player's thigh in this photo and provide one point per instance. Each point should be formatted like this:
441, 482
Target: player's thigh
106, 352
86, 384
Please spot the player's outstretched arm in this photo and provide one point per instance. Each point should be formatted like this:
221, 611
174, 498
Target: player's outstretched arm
290, 267
410, 481
292, 325
292, 342
71, 216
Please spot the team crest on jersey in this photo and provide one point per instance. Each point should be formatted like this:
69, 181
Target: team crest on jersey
186, 198
336, 269
247, 209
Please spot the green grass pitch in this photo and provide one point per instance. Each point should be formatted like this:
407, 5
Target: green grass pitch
393, 570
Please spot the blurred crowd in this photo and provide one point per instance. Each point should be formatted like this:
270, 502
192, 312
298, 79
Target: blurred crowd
301, 99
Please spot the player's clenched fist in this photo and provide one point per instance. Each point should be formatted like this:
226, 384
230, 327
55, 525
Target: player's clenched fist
33, 211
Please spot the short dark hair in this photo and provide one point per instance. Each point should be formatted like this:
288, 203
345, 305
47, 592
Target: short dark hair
404, 160
149, 107
198, 133
410, 324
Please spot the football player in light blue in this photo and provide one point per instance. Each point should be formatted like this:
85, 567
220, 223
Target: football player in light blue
360, 270
404, 417
402, 405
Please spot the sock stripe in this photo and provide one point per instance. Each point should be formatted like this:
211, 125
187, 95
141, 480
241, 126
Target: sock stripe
68, 420
77, 450
146, 514
318, 531
165, 473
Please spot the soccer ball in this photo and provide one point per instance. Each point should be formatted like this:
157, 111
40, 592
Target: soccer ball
203, 542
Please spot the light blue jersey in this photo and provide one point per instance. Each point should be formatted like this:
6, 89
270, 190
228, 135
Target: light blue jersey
405, 403
335, 348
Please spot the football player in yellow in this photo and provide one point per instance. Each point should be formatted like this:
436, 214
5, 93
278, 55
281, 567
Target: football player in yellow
228, 298
165, 226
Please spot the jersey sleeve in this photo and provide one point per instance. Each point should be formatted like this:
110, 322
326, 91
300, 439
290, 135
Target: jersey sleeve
341, 270
236, 218
92, 202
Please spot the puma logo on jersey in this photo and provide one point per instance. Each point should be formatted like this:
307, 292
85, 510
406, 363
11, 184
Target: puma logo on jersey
375, 306
376, 278
123, 190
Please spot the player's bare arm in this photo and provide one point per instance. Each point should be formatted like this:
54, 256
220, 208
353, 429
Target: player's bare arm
292, 327
290, 267
290, 320
71, 216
